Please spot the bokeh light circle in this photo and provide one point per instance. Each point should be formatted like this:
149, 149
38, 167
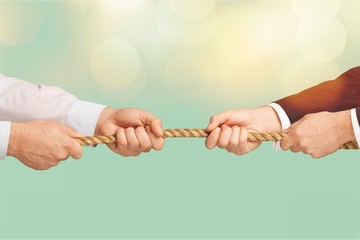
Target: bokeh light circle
295, 72
192, 9
189, 75
183, 32
321, 40
115, 8
310, 9
115, 63
20, 21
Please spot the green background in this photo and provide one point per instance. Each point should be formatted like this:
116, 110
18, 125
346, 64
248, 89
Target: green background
185, 190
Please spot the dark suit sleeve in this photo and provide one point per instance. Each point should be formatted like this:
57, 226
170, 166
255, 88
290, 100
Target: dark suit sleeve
340, 94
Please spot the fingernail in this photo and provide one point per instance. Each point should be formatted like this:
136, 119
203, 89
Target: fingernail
148, 129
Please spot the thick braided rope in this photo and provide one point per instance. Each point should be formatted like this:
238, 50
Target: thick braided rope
198, 133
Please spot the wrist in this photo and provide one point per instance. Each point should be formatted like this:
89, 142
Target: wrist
103, 118
15, 138
267, 118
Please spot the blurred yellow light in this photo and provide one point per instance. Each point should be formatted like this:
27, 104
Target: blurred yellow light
19, 22
182, 32
189, 75
115, 63
120, 7
310, 9
295, 72
321, 40
192, 9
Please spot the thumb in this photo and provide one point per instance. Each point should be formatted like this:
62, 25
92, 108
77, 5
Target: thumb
154, 122
286, 131
72, 133
217, 120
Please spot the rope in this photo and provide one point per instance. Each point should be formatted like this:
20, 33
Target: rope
198, 133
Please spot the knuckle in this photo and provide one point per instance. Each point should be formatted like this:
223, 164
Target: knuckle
241, 152
296, 132
242, 141
124, 154
233, 143
42, 167
306, 150
135, 154
230, 150
147, 146
213, 118
61, 155
209, 146
222, 144
302, 144
134, 144
158, 147
54, 164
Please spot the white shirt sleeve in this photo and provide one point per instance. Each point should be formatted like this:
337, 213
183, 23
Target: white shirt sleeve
4, 138
355, 125
284, 120
23, 101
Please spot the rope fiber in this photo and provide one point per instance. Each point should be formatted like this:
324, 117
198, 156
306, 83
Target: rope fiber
198, 133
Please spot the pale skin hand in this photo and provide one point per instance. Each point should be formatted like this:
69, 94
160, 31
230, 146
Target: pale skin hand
230, 128
42, 144
319, 134
136, 131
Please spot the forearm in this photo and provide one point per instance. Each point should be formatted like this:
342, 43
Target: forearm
266, 118
340, 94
23, 101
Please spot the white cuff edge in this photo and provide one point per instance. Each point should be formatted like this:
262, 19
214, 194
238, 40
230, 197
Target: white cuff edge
83, 117
355, 124
5, 127
284, 121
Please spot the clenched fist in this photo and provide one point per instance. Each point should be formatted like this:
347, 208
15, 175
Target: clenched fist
42, 144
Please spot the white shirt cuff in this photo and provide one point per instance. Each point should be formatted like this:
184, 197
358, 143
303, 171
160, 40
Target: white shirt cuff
5, 127
355, 124
284, 120
83, 117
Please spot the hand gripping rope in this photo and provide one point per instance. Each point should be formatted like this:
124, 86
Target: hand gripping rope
198, 133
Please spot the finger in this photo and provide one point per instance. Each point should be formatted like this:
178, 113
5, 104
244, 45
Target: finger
154, 122
242, 147
234, 139
144, 139
286, 143
217, 120
157, 143
213, 138
121, 141
224, 136
286, 131
75, 150
295, 148
132, 141
71, 132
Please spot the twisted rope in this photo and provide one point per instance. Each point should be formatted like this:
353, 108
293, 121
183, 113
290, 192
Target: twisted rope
198, 133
